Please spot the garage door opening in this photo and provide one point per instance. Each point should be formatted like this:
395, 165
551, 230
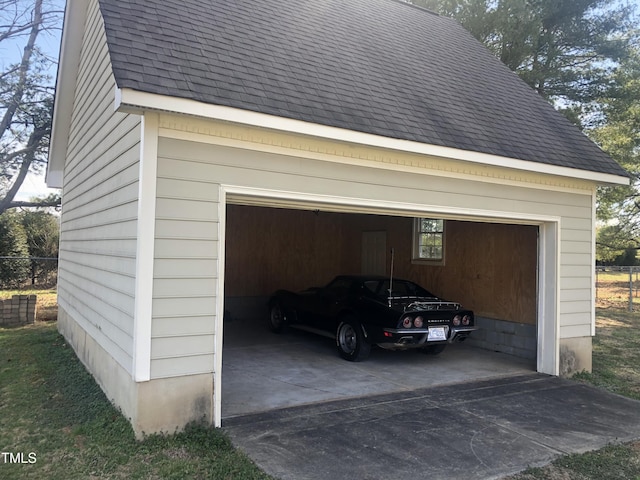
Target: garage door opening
490, 268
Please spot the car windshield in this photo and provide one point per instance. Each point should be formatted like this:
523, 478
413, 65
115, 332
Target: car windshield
340, 286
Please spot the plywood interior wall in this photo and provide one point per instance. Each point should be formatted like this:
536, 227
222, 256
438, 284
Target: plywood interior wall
490, 268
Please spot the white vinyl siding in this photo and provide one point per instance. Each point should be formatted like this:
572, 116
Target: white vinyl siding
185, 275
191, 174
99, 218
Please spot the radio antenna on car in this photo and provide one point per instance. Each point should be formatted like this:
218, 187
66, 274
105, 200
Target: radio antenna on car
391, 276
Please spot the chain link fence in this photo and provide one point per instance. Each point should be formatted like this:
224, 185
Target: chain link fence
618, 286
18, 272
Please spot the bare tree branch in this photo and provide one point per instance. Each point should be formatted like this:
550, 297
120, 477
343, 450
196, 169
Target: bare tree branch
32, 146
37, 203
25, 64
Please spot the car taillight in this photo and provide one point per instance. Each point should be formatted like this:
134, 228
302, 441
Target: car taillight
456, 320
418, 322
466, 320
406, 322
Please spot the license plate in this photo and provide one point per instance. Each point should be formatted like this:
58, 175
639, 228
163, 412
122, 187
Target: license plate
437, 334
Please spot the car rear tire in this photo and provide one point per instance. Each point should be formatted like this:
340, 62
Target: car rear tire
434, 349
350, 341
277, 319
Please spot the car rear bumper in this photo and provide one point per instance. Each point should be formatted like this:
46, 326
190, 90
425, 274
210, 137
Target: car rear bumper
392, 338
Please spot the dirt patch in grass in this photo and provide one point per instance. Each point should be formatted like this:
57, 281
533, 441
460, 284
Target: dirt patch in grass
613, 290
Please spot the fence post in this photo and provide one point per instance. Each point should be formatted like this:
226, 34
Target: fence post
631, 289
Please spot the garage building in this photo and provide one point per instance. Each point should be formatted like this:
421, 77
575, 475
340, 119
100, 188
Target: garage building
212, 152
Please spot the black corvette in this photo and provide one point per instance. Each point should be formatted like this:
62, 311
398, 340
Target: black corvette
360, 311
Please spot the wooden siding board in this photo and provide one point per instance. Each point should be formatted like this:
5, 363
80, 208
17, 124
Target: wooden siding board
166, 248
577, 271
574, 283
178, 346
184, 325
573, 224
186, 189
170, 208
576, 307
187, 229
176, 306
121, 210
178, 366
576, 247
183, 287
202, 268
127, 229
574, 259
577, 294
575, 331
101, 246
569, 235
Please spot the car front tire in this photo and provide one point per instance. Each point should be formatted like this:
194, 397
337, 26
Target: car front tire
350, 341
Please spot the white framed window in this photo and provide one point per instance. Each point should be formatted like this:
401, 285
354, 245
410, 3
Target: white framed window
428, 240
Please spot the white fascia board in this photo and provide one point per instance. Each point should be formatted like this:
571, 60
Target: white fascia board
74, 20
133, 101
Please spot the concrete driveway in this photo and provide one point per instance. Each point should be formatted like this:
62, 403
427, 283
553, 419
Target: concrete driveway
473, 430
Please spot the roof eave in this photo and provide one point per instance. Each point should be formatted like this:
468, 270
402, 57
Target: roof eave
134, 101
70, 47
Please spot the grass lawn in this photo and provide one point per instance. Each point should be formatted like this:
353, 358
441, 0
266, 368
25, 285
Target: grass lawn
50, 407
54, 414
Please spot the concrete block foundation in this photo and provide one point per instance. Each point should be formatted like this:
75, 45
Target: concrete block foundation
518, 339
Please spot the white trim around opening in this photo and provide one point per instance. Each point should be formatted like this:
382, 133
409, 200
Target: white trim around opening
548, 257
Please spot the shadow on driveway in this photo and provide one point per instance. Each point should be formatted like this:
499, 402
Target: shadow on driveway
474, 430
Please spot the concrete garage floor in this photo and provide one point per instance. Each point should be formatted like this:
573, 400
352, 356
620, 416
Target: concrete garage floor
264, 371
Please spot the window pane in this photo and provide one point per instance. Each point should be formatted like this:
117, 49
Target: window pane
430, 238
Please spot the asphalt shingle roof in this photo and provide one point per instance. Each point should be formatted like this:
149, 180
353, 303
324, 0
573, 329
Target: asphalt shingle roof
375, 66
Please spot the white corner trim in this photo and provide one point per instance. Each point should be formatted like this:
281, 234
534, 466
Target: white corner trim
145, 248
134, 101
219, 322
594, 287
